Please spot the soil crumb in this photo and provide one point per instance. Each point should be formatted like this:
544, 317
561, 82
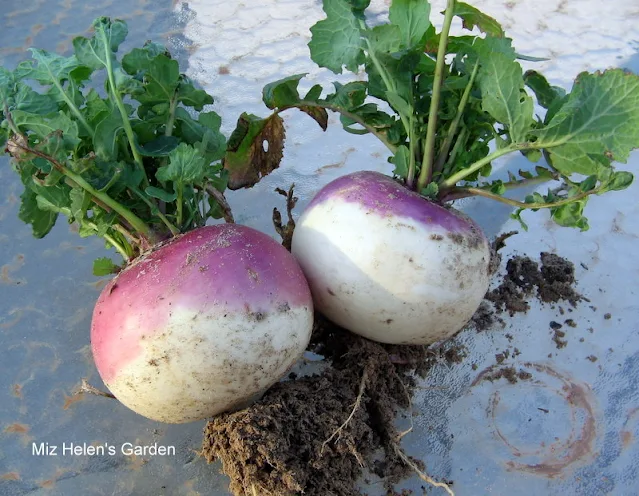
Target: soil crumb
285, 444
508, 373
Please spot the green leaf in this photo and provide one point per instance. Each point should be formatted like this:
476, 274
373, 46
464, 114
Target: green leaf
98, 51
54, 200
161, 79
471, 18
48, 68
105, 139
589, 183
571, 215
501, 83
598, 123
7, 86
336, 41
412, 19
516, 215
191, 96
126, 84
210, 120
401, 160
546, 94
348, 96
399, 104
283, 92
80, 202
205, 130
159, 147
42, 126
139, 59
41, 221
431, 191
620, 181
161, 194
247, 159
104, 266
314, 93
95, 106
385, 38
186, 166
28, 100
497, 187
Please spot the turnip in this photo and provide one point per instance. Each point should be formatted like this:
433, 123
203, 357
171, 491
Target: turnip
390, 258
202, 324
198, 319
388, 264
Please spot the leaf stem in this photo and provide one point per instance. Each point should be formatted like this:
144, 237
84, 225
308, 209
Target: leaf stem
452, 131
459, 142
221, 200
125, 232
180, 196
136, 223
388, 82
155, 210
459, 193
12, 125
169, 124
426, 173
117, 246
72, 106
455, 178
120, 104
410, 177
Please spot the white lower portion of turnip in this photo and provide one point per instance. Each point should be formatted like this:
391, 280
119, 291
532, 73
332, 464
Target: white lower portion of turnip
389, 278
221, 363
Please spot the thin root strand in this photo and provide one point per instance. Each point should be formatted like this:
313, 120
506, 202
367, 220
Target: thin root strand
421, 474
87, 388
358, 401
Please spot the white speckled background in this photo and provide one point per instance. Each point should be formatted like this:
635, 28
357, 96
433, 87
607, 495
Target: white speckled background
572, 429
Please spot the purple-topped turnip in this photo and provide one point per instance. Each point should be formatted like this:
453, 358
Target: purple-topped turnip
388, 264
198, 319
388, 258
201, 325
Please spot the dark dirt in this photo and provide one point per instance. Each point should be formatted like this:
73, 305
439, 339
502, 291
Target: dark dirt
508, 373
551, 282
279, 445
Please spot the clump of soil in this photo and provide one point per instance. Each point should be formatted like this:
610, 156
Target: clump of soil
508, 373
320, 434
551, 282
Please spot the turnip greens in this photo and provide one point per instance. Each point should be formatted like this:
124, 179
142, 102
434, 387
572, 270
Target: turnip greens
451, 97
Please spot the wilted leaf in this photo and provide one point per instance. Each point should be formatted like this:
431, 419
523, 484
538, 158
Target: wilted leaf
254, 150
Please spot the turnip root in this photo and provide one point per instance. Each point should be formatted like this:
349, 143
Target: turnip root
389, 265
201, 325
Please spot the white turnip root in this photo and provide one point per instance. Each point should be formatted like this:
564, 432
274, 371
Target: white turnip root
389, 265
202, 324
